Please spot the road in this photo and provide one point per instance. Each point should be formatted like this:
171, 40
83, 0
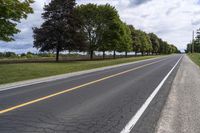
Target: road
98, 102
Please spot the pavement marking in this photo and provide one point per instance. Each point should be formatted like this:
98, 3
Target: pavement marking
130, 125
74, 88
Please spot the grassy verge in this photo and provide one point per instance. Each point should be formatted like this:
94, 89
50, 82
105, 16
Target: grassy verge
195, 57
24, 71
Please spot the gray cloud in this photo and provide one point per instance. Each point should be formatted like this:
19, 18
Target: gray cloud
138, 2
170, 10
145, 15
23, 40
196, 22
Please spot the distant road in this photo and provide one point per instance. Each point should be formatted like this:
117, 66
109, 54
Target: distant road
99, 102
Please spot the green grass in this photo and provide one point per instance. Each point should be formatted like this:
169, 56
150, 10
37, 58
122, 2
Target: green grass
195, 57
24, 71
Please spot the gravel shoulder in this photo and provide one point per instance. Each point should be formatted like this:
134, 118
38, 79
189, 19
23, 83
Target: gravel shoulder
181, 113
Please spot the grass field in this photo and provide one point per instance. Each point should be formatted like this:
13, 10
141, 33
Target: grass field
195, 57
24, 71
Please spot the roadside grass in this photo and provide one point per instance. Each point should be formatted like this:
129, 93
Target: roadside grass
195, 57
24, 71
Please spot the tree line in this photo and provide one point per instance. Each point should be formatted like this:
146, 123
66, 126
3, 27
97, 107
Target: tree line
13, 55
194, 46
86, 28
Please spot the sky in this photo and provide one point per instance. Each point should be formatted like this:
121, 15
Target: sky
173, 21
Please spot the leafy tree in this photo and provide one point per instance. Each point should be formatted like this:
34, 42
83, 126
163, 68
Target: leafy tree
155, 43
126, 40
136, 41
88, 14
11, 11
149, 44
145, 42
163, 47
164, 44
189, 48
109, 29
173, 49
114, 36
60, 30
101, 24
196, 44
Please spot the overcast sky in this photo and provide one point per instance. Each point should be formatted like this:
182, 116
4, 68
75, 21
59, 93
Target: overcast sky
172, 20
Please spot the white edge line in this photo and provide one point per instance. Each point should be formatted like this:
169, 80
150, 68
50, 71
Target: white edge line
130, 125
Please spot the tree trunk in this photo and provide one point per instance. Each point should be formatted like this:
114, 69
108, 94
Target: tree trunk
114, 54
104, 54
142, 53
135, 53
126, 54
57, 54
91, 54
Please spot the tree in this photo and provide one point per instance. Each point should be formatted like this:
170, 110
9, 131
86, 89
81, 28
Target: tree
88, 15
109, 29
145, 42
189, 48
114, 36
11, 12
126, 40
101, 24
136, 42
163, 46
155, 43
194, 46
196, 43
61, 29
149, 44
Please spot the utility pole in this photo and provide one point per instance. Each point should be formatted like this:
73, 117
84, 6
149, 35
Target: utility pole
193, 41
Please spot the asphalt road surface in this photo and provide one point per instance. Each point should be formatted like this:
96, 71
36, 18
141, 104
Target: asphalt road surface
98, 102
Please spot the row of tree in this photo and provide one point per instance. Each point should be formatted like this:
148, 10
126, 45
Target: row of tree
92, 28
88, 28
7, 54
194, 46
150, 43
13, 55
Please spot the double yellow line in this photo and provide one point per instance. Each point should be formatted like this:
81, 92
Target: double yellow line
73, 88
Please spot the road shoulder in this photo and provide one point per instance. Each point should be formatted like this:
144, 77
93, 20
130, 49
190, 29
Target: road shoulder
181, 112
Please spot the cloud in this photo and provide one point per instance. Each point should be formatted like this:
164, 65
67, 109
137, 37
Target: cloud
24, 41
170, 10
173, 21
138, 2
196, 22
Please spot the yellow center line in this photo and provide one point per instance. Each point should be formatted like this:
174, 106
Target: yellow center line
73, 88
